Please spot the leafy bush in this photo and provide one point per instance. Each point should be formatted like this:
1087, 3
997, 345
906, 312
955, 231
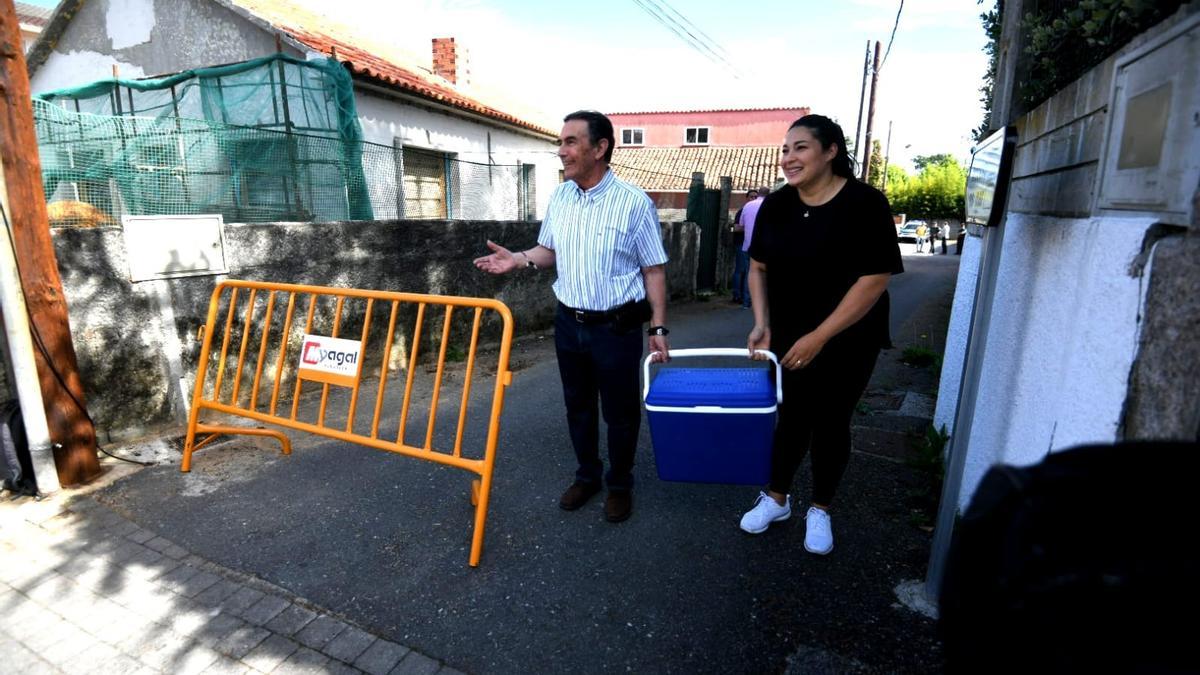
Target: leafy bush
1063, 39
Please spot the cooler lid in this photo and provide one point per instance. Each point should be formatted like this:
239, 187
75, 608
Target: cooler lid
722, 387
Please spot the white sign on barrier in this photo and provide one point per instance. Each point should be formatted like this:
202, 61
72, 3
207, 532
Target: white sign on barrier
331, 360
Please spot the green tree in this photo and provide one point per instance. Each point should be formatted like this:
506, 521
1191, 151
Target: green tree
991, 26
899, 187
921, 161
938, 190
875, 167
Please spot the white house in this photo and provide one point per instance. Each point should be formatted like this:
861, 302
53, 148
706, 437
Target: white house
418, 110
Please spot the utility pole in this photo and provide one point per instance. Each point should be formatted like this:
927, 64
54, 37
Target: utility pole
58, 373
861, 100
866, 167
887, 153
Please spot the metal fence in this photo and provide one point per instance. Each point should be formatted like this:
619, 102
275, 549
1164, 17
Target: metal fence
97, 168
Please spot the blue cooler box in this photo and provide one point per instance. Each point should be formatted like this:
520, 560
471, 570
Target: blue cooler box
712, 425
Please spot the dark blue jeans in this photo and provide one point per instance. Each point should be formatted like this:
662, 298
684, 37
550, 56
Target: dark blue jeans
599, 363
741, 277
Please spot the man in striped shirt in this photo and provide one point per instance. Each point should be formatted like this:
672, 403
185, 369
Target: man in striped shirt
602, 236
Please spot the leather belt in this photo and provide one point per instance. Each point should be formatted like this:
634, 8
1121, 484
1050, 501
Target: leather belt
591, 315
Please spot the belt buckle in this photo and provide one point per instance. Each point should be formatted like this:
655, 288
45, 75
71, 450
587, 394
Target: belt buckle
579, 316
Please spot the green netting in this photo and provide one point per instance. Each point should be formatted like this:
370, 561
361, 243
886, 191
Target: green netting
272, 139
275, 138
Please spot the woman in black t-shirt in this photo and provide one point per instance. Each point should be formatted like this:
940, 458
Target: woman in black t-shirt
823, 250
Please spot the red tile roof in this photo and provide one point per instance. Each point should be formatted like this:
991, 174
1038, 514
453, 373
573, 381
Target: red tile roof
32, 14
321, 34
663, 169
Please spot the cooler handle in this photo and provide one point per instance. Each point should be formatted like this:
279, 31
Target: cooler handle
715, 351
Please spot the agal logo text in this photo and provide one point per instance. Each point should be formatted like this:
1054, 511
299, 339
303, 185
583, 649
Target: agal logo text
315, 355
329, 355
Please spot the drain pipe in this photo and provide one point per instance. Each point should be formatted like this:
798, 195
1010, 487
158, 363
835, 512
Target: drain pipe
20, 348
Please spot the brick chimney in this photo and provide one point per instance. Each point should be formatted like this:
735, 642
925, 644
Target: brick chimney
449, 63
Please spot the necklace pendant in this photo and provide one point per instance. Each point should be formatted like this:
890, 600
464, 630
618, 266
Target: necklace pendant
806, 214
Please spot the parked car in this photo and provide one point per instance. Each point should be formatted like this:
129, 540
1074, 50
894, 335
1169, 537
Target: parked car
909, 231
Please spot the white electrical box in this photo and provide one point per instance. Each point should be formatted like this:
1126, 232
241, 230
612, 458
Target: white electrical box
1152, 157
164, 247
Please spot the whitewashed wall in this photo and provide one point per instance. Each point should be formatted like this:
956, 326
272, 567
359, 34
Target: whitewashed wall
1067, 317
384, 120
956, 334
1062, 340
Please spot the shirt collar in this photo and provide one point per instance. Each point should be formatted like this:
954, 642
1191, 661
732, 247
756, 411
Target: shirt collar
597, 190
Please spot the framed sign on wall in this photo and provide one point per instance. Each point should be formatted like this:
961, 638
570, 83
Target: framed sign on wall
988, 178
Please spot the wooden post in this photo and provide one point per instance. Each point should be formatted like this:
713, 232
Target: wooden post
71, 429
866, 167
861, 96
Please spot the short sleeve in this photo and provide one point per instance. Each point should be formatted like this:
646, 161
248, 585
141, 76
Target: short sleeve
546, 232
880, 252
647, 242
760, 236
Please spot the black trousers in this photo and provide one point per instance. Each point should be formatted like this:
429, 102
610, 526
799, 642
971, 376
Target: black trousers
818, 402
599, 362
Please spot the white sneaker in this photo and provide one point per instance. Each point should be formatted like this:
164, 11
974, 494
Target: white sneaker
765, 512
819, 537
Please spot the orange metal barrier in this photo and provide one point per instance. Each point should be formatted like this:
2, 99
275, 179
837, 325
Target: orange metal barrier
323, 357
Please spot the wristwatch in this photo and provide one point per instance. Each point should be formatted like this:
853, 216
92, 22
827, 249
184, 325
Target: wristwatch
657, 330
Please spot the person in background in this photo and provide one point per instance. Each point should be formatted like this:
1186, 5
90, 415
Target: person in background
933, 236
741, 262
922, 233
824, 249
749, 215
603, 238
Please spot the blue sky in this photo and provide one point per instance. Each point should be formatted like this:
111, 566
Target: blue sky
556, 56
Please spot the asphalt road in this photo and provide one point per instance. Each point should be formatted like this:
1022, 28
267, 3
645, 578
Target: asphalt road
383, 540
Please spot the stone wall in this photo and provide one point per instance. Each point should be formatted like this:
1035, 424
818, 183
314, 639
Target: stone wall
131, 337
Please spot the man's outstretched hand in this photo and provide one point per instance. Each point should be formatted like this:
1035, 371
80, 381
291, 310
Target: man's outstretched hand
501, 260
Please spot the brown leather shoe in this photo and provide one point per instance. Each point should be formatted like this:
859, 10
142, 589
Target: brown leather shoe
618, 506
577, 495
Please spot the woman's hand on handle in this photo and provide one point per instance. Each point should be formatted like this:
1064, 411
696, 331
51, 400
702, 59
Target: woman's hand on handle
760, 338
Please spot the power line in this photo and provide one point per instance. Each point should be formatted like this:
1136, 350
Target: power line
893, 37
697, 45
704, 35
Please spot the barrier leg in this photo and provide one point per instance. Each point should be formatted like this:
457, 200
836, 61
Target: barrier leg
189, 441
480, 499
475, 492
215, 430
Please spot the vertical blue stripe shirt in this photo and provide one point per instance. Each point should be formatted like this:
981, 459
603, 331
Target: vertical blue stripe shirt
601, 238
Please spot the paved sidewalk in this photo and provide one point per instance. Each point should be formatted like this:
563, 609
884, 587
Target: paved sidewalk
84, 590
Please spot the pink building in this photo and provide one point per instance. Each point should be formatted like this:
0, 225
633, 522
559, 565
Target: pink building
687, 128
659, 151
